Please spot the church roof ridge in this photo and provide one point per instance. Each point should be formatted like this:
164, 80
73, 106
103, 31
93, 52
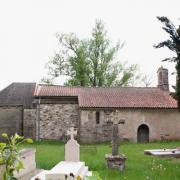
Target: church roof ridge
120, 97
105, 87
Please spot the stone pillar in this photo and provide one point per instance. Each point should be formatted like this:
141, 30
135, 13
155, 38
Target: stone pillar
115, 160
115, 140
38, 123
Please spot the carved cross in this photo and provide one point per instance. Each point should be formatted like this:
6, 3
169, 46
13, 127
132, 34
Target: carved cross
72, 133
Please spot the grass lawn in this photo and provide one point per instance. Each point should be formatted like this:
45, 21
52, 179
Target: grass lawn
138, 165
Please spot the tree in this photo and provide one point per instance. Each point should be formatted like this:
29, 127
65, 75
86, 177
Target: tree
173, 44
146, 80
90, 62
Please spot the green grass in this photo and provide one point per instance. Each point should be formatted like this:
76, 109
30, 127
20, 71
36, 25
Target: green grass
138, 165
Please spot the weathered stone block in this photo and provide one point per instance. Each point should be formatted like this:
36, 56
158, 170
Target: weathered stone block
116, 162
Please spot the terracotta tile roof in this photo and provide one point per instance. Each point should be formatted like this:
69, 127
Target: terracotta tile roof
48, 90
118, 97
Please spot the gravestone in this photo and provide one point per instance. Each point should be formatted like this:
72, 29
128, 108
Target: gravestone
69, 169
72, 147
115, 160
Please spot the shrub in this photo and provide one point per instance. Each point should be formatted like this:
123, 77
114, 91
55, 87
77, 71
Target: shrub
10, 156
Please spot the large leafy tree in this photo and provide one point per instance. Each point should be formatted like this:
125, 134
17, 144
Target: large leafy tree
173, 43
90, 62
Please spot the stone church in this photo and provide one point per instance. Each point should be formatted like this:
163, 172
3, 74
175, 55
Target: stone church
46, 111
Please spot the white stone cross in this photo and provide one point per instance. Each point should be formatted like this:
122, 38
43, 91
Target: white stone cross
72, 133
72, 147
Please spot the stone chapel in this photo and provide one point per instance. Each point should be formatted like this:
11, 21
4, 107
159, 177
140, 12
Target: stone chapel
45, 112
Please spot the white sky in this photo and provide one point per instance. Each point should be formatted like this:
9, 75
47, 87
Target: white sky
28, 27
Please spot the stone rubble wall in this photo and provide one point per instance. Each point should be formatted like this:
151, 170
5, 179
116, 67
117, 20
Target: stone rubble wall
90, 132
29, 123
56, 119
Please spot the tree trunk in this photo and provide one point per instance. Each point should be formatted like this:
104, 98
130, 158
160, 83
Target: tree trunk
178, 82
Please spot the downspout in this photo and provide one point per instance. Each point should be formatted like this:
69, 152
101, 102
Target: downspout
38, 120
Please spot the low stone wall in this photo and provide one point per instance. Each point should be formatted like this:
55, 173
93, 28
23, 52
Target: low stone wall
56, 119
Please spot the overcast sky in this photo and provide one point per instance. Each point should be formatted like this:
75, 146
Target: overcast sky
28, 27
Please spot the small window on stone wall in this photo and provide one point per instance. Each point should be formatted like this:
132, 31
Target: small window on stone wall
97, 117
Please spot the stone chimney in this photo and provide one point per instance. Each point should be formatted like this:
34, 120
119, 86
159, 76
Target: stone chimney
163, 82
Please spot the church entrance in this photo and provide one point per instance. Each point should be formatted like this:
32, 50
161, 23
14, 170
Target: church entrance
143, 134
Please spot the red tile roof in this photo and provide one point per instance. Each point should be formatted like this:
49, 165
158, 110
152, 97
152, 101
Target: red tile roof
114, 97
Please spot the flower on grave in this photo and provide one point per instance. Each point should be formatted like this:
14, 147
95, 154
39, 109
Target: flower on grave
78, 178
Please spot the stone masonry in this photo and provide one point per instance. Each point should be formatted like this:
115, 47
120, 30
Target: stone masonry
56, 119
162, 124
29, 124
90, 132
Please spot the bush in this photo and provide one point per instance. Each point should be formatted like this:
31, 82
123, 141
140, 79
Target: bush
9, 155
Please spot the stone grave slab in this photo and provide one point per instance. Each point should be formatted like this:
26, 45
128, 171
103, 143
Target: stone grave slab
163, 152
63, 171
29, 162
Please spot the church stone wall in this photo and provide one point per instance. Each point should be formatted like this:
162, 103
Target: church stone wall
90, 131
29, 123
163, 124
56, 119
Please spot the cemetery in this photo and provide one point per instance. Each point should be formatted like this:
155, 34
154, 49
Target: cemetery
138, 165
53, 160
